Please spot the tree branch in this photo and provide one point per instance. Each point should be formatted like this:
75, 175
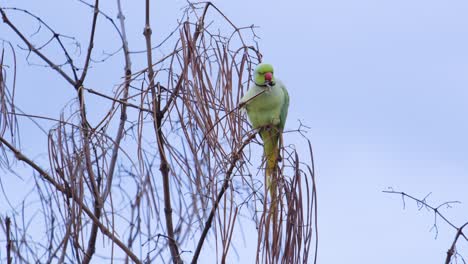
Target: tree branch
157, 121
227, 179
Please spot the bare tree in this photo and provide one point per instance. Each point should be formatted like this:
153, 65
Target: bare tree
169, 171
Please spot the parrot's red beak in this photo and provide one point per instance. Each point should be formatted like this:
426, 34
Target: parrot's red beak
268, 77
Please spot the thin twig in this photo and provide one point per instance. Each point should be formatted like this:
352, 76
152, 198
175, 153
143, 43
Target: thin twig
8, 240
97, 204
91, 42
227, 180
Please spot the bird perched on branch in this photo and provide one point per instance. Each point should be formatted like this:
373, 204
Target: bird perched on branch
266, 104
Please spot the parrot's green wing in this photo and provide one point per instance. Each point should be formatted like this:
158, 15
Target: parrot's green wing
284, 108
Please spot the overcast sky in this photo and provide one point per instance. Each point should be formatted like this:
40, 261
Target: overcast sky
383, 87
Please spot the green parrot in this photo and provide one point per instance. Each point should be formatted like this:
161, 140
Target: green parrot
266, 104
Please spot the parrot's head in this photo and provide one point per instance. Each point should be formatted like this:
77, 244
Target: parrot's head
263, 75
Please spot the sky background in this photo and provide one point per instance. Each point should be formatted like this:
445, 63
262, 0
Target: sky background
382, 86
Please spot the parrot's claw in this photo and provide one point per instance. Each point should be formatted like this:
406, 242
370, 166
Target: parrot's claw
266, 127
270, 127
279, 158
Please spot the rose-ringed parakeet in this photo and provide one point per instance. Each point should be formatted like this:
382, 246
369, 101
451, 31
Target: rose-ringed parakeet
266, 104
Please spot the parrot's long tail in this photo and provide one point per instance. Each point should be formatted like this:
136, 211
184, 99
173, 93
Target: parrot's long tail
270, 139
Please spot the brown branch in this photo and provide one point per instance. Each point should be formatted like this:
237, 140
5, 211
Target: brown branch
157, 121
85, 130
97, 202
123, 111
227, 179
314, 193
91, 248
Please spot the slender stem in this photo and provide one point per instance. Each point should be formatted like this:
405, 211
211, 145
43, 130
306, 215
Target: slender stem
8, 242
91, 248
227, 181
157, 121
123, 109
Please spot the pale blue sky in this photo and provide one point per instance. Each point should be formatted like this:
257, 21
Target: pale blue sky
383, 86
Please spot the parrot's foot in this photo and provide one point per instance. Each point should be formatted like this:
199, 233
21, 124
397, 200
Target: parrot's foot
270, 127
279, 158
